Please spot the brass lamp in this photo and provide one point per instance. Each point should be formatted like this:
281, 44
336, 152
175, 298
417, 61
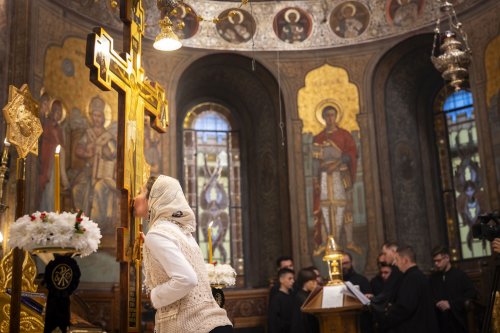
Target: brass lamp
455, 54
166, 40
333, 257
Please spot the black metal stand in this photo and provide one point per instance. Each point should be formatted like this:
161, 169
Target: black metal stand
62, 276
219, 296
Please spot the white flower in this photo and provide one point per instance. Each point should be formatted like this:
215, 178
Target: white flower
221, 274
65, 230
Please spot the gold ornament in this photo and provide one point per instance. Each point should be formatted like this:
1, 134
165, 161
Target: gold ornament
23, 124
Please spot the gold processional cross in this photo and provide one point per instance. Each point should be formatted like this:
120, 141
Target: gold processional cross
136, 96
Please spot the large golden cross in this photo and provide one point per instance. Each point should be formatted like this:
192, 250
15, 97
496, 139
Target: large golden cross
136, 96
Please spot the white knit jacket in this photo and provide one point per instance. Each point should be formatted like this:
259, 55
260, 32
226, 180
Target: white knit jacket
197, 312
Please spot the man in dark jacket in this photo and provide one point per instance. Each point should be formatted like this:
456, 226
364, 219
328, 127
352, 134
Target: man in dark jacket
349, 274
412, 310
354, 277
450, 288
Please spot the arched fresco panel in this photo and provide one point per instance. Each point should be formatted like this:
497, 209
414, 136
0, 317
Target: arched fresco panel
328, 105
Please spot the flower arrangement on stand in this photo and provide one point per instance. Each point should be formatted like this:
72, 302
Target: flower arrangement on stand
72, 231
56, 238
221, 276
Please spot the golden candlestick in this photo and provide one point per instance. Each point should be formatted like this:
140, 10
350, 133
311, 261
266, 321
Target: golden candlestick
57, 180
210, 250
333, 256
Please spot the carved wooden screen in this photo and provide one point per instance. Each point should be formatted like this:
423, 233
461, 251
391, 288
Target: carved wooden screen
212, 181
461, 182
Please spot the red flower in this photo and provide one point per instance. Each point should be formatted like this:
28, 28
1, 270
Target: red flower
32, 217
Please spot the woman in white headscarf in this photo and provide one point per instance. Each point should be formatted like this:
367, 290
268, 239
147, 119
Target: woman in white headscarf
174, 268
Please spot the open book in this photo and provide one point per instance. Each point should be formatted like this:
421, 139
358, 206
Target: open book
357, 293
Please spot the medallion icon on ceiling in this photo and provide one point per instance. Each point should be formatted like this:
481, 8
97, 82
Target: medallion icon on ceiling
349, 19
236, 25
292, 25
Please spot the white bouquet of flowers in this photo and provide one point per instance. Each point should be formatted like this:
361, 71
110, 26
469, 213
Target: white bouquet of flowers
58, 230
221, 275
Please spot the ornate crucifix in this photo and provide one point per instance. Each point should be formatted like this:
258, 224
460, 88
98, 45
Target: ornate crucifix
137, 96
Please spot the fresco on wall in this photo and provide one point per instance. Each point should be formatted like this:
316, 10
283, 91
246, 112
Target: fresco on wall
403, 13
328, 105
184, 21
292, 25
349, 19
236, 25
83, 119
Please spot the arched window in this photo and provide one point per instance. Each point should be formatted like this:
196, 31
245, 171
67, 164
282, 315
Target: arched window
462, 187
212, 180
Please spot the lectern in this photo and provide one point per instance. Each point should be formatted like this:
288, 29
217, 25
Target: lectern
341, 319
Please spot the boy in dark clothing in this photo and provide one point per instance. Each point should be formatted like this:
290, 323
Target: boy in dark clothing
282, 306
305, 322
281, 262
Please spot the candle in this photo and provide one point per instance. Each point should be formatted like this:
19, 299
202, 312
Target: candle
5, 153
210, 253
57, 180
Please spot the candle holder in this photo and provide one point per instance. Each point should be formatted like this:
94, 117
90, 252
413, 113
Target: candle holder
333, 257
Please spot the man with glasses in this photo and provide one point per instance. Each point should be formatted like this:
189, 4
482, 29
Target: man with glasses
450, 288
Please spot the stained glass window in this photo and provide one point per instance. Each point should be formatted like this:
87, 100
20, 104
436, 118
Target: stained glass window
462, 187
212, 180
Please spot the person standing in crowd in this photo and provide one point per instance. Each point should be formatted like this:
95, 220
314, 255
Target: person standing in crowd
378, 282
282, 306
412, 309
389, 253
281, 262
349, 274
306, 283
450, 288
319, 278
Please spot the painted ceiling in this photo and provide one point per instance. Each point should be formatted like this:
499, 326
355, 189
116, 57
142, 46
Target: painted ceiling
279, 25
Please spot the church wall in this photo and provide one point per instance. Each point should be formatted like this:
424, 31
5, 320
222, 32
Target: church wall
293, 68
409, 207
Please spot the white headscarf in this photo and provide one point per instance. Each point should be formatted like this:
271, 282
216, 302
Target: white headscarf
167, 201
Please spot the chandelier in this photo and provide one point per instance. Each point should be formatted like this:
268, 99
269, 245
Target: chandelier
166, 40
454, 54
